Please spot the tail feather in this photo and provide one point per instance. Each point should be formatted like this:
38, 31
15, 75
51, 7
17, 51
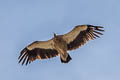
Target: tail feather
67, 60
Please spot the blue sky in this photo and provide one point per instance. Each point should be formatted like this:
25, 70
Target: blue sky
25, 21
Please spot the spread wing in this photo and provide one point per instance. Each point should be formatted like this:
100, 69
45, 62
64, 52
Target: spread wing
38, 50
82, 34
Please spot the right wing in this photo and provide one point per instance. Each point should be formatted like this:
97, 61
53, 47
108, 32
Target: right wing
81, 34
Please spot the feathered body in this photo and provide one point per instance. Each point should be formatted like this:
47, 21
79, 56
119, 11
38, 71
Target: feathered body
59, 45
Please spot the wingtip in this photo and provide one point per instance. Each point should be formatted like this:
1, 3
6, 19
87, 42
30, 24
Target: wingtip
98, 28
23, 56
95, 26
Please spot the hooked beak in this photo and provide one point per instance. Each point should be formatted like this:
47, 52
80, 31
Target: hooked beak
54, 34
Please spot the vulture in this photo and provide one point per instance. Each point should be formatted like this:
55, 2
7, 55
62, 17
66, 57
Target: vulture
59, 45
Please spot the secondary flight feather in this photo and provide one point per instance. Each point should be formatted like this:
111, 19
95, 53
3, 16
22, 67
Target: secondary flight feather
59, 45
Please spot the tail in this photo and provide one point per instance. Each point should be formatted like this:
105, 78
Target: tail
67, 60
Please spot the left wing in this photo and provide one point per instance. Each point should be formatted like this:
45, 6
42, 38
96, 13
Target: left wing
38, 50
81, 34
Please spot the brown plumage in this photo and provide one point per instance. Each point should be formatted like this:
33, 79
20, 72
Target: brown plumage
59, 45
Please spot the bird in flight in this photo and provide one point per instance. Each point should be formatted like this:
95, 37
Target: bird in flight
59, 45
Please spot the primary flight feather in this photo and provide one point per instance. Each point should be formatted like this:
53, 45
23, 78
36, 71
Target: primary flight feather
59, 45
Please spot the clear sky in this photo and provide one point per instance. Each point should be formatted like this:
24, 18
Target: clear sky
25, 21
